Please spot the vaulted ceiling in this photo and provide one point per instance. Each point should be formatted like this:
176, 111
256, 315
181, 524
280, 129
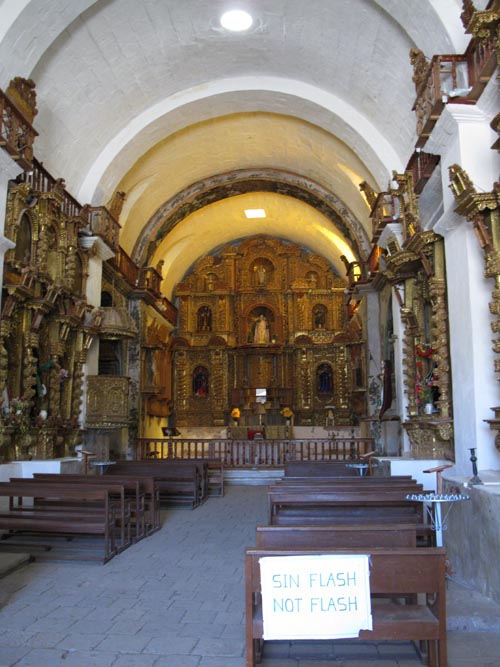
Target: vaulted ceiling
195, 123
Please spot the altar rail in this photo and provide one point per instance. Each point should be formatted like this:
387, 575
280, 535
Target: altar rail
261, 453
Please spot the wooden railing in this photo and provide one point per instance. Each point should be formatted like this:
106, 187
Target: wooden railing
40, 180
455, 78
104, 225
422, 166
255, 453
383, 212
127, 267
16, 134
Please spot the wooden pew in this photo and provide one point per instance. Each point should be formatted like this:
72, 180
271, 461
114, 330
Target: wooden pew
394, 572
117, 498
349, 481
177, 481
215, 477
341, 535
323, 468
21, 518
135, 491
321, 506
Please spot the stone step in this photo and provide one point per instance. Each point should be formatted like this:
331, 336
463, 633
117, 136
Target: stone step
252, 476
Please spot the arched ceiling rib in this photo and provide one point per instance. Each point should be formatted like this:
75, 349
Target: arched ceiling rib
250, 94
261, 181
129, 92
119, 58
223, 222
230, 144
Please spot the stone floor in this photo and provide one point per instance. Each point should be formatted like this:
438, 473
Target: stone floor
176, 599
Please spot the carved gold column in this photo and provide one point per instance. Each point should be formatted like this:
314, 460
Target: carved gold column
409, 361
7, 453
439, 332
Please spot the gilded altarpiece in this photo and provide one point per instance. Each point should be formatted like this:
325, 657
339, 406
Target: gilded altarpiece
265, 316
43, 340
415, 266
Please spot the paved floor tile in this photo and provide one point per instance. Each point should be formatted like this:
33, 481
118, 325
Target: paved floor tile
176, 599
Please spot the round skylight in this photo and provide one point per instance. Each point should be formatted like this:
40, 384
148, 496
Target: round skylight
236, 20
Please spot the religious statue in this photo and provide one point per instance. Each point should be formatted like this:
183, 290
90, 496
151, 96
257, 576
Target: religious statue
205, 319
261, 274
261, 330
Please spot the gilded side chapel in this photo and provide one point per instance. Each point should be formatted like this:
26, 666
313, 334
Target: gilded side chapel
302, 253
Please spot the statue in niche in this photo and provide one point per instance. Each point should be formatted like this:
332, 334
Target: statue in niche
205, 319
261, 330
319, 317
261, 274
210, 282
200, 382
324, 379
312, 279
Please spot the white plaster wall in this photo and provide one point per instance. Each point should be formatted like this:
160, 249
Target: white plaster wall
8, 170
27, 469
472, 538
415, 468
475, 388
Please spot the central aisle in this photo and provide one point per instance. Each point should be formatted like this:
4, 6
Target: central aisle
176, 599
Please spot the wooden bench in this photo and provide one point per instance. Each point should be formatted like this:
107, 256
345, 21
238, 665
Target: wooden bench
341, 535
323, 468
289, 507
215, 477
177, 481
117, 498
20, 518
134, 488
394, 573
360, 482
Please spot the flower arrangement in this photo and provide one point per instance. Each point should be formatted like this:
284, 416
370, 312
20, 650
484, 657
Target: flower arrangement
287, 413
17, 415
235, 413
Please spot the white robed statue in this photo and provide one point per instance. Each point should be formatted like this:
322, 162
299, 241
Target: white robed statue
261, 330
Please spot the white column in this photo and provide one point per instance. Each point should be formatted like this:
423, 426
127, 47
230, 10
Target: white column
463, 136
93, 295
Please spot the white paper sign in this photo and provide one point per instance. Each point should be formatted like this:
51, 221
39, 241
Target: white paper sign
315, 597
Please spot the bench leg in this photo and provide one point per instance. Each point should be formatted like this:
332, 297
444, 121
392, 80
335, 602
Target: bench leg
432, 653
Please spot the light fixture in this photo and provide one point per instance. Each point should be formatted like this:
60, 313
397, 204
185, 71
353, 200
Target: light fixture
236, 20
255, 213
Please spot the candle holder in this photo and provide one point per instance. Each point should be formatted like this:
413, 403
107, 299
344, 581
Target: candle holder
432, 503
474, 480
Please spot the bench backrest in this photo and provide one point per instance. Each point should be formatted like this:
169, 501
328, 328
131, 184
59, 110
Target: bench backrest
34, 489
360, 482
335, 536
129, 483
394, 571
323, 468
342, 504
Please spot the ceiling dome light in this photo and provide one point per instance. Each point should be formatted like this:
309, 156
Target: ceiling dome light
236, 20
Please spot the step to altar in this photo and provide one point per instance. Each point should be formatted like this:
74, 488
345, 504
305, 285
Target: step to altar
251, 476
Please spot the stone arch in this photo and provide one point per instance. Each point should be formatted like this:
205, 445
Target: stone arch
230, 184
